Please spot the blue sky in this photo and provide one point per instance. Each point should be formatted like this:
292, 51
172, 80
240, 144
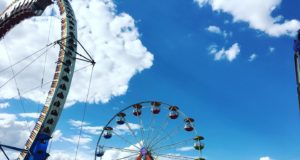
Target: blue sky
245, 107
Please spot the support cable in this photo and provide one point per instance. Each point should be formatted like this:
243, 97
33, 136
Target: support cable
84, 111
50, 146
16, 84
46, 55
16, 74
4, 69
85, 51
39, 108
21, 60
83, 58
4, 152
47, 82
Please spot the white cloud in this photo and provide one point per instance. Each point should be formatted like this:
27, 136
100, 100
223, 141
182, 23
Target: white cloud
15, 133
11, 154
214, 29
258, 14
271, 49
123, 129
226, 34
217, 30
3, 4
265, 158
111, 38
96, 130
69, 155
12, 131
226, 21
29, 115
56, 136
252, 57
201, 3
133, 126
112, 154
84, 139
76, 123
4, 105
229, 54
213, 49
184, 149
7, 120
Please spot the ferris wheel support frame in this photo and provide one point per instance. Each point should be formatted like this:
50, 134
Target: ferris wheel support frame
297, 64
18, 11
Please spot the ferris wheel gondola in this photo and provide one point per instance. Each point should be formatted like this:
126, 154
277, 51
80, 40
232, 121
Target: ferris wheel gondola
147, 131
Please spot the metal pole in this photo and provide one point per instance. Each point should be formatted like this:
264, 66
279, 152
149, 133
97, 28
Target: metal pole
297, 64
3, 152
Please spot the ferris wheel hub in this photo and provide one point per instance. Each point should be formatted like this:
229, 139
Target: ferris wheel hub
144, 151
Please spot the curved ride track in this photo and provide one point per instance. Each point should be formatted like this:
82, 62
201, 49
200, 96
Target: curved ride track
17, 11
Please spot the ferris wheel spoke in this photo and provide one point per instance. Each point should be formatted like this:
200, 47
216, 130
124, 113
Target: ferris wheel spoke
168, 135
148, 133
158, 137
142, 130
172, 156
155, 135
127, 157
173, 145
122, 149
132, 133
125, 140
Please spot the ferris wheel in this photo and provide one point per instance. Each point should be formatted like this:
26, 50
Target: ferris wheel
150, 130
16, 12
